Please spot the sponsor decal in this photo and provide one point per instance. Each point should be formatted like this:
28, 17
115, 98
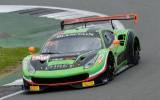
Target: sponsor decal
77, 34
34, 88
51, 43
40, 57
99, 59
88, 84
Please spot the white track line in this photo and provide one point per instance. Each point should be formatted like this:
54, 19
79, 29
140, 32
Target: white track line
11, 95
7, 8
68, 14
16, 82
11, 8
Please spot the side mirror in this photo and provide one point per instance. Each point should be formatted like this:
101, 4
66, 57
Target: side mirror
32, 50
116, 42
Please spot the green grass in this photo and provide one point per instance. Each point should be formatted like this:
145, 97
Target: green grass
11, 57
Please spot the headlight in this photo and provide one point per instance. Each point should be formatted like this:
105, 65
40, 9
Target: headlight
30, 68
91, 62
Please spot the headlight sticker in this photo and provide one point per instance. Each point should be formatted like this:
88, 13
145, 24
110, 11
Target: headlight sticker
99, 59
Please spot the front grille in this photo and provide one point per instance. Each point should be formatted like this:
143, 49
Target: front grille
60, 80
61, 66
42, 66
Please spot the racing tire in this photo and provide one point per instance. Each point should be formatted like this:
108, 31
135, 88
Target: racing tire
133, 55
108, 75
25, 85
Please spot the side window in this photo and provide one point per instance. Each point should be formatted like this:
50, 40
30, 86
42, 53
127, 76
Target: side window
108, 38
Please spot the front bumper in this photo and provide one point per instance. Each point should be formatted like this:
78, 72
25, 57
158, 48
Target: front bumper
78, 81
74, 77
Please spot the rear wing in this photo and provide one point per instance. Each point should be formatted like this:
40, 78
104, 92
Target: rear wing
131, 16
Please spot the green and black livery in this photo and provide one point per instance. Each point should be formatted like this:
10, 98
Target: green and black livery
83, 56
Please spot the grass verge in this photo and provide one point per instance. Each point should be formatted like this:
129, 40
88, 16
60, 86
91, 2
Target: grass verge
11, 58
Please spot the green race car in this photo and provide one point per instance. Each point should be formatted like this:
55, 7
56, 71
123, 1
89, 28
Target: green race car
87, 52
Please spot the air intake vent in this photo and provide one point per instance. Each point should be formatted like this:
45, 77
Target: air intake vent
60, 80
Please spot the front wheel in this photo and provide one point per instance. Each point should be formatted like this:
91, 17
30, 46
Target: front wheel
108, 75
25, 85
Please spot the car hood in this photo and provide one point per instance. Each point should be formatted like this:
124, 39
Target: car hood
61, 61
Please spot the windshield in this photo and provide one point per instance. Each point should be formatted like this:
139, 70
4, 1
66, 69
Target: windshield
72, 43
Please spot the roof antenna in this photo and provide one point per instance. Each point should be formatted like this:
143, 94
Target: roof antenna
112, 24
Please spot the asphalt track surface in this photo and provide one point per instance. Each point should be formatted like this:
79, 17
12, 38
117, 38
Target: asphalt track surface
138, 83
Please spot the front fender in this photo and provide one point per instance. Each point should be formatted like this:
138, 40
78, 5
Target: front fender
99, 66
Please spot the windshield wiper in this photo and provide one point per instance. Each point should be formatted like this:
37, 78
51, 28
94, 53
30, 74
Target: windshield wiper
50, 53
